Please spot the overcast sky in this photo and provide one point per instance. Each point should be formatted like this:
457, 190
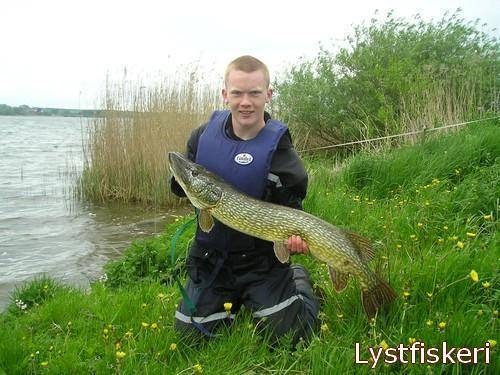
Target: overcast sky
56, 53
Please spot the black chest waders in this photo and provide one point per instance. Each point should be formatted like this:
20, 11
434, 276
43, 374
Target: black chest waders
187, 301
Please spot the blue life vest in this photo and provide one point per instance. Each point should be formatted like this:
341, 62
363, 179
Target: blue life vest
243, 164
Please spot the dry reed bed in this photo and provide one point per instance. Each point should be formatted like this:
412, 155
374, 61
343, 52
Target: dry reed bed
125, 151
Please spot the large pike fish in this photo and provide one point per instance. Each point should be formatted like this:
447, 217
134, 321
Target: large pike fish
346, 253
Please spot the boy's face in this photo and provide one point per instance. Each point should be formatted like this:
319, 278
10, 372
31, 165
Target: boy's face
247, 95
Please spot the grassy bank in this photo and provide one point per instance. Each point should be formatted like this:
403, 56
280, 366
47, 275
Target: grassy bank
431, 210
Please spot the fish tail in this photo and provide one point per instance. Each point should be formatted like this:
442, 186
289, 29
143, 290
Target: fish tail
378, 295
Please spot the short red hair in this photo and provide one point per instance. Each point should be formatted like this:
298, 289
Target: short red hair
247, 64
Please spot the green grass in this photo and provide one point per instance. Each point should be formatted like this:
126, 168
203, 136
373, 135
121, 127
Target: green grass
432, 212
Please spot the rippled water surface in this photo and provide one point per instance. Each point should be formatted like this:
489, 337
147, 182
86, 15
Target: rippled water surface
42, 229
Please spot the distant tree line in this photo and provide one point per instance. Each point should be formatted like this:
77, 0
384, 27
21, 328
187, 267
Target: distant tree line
25, 110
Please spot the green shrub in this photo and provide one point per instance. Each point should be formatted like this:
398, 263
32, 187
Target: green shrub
393, 75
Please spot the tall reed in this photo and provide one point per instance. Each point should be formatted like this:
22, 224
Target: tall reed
125, 150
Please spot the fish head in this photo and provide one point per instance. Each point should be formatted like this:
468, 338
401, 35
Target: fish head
201, 186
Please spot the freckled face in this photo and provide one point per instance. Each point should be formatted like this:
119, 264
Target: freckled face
247, 94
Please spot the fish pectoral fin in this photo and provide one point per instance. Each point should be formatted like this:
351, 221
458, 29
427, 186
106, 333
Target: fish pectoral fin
205, 220
339, 279
362, 244
281, 251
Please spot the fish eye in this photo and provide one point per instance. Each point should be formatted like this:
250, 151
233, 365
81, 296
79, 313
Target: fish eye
194, 173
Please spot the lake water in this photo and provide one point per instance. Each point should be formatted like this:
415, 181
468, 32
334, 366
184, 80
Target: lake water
42, 229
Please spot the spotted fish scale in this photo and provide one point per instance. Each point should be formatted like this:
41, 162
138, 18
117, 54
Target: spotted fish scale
277, 223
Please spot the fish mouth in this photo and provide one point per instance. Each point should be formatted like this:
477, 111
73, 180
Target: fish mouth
179, 167
183, 171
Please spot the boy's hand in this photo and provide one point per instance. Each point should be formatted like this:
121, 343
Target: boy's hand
296, 245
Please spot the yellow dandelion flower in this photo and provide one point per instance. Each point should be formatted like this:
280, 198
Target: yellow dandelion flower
197, 369
398, 246
442, 325
145, 325
324, 327
474, 276
44, 363
420, 225
406, 294
228, 306
492, 342
429, 323
383, 345
460, 244
120, 355
105, 331
471, 235
488, 217
486, 285
173, 346
411, 340
154, 326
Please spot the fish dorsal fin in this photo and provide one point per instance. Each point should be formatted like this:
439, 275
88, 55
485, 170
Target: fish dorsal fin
362, 245
205, 220
339, 279
281, 251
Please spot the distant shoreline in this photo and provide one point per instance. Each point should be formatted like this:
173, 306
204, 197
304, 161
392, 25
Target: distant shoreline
25, 110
